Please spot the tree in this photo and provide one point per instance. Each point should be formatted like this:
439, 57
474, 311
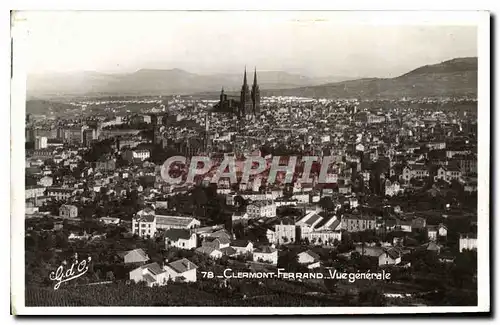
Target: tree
371, 297
239, 201
290, 262
110, 276
61, 240
326, 203
239, 230
355, 255
97, 275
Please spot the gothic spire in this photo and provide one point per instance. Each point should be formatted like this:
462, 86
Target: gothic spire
245, 76
255, 76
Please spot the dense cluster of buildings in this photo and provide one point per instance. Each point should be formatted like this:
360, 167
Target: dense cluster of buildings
381, 150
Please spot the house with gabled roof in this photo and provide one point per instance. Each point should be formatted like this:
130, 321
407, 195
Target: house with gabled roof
383, 255
229, 251
410, 171
137, 255
266, 254
448, 173
68, 211
309, 259
150, 273
209, 251
212, 231
182, 270
242, 246
217, 243
389, 256
432, 247
442, 230
309, 220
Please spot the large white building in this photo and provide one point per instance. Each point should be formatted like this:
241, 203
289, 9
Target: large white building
313, 227
320, 230
414, 171
261, 209
40, 143
284, 232
448, 173
146, 222
468, 242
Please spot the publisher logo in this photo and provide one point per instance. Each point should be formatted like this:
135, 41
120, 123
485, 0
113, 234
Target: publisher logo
76, 270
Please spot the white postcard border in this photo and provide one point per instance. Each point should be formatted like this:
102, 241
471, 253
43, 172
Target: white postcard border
18, 90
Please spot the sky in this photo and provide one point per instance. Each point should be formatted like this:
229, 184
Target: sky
310, 43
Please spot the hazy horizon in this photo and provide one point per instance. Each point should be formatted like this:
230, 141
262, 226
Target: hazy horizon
249, 70
224, 42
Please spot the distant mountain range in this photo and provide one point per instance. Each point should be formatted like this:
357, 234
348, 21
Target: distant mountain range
456, 77
449, 78
160, 82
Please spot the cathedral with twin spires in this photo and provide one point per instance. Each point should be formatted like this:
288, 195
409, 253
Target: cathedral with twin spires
248, 102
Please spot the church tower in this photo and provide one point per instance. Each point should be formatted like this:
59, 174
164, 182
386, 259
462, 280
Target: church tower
255, 94
222, 95
245, 98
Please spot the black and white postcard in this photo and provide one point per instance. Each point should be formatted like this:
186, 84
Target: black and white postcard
280, 162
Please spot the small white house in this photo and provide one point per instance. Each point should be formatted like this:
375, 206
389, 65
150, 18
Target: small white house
217, 243
266, 254
210, 252
389, 257
110, 220
137, 255
242, 246
151, 273
442, 230
467, 242
68, 211
182, 270
46, 181
432, 232
309, 258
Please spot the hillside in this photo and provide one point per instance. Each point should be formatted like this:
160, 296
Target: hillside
457, 77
